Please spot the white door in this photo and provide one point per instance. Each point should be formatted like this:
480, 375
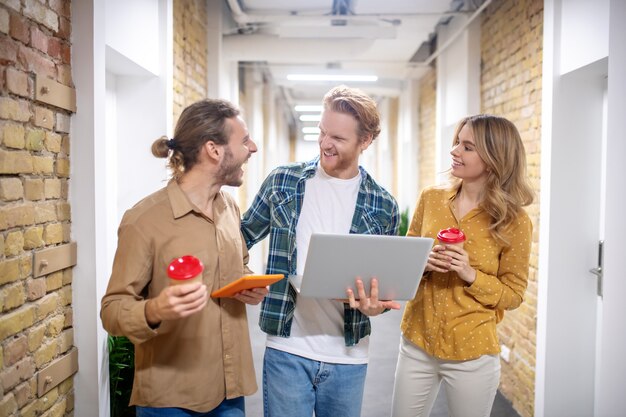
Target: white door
611, 373
570, 230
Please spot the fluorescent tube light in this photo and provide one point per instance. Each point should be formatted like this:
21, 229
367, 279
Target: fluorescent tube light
331, 77
337, 32
310, 117
311, 129
311, 138
311, 108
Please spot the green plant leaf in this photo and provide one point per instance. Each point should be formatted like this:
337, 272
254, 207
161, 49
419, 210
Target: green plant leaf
403, 227
121, 375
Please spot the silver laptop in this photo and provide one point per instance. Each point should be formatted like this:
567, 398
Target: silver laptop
335, 260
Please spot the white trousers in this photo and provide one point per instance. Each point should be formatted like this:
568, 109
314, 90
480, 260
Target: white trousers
470, 385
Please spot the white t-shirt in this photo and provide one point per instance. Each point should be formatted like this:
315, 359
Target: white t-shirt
317, 328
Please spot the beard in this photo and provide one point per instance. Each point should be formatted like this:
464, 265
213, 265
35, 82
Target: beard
228, 173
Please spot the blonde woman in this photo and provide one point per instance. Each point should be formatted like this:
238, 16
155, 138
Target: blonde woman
449, 328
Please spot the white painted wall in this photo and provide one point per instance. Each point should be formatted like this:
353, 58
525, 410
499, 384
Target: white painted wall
141, 118
88, 213
280, 144
276, 147
383, 173
139, 95
407, 150
551, 26
256, 125
229, 81
377, 158
269, 155
264, 115
111, 210
576, 376
584, 33
458, 83
214, 46
306, 150
253, 116
124, 102
132, 29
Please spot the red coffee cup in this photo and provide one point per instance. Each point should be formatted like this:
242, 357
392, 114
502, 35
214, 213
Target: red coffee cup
185, 270
451, 236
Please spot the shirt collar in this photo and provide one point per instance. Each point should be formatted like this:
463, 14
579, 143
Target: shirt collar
178, 200
310, 167
181, 205
450, 193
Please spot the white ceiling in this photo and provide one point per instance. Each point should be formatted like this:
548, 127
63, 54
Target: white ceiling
367, 37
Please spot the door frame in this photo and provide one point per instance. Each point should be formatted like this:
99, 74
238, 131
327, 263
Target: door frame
612, 369
570, 192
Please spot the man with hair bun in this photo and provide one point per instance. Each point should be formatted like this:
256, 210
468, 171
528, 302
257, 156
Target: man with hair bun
317, 350
192, 353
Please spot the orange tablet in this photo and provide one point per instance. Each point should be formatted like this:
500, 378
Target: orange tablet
245, 283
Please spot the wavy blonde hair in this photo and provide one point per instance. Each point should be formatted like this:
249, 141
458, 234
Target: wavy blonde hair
507, 190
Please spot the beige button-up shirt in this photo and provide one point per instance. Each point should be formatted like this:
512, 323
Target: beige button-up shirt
198, 361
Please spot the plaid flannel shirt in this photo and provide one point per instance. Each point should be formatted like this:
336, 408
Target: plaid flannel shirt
275, 211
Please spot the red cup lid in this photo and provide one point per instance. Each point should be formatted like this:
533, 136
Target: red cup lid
185, 267
451, 235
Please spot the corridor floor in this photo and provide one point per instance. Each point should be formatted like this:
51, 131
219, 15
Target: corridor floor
380, 373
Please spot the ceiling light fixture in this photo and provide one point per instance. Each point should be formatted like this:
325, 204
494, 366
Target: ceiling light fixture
310, 117
311, 129
307, 107
331, 77
311, 138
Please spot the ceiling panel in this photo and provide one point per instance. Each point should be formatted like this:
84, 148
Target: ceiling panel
359, 6
302, 36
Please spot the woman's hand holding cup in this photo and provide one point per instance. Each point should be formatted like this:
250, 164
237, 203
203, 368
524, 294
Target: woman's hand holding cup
451, 256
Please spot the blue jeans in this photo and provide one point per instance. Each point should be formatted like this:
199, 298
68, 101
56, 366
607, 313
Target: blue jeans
235, 407
294, 386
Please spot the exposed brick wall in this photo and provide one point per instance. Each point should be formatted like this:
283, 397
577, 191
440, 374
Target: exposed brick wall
427, 127
190, 53
511, 46
35, 313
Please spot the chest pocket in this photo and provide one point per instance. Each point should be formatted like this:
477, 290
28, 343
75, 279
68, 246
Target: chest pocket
283, 209
370, 225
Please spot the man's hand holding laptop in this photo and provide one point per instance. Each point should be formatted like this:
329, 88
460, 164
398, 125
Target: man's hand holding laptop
370, 306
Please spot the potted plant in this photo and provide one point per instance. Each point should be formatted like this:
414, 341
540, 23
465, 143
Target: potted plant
121, 372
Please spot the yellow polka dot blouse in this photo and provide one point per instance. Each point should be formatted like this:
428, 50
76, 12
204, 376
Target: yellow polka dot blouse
448, 318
